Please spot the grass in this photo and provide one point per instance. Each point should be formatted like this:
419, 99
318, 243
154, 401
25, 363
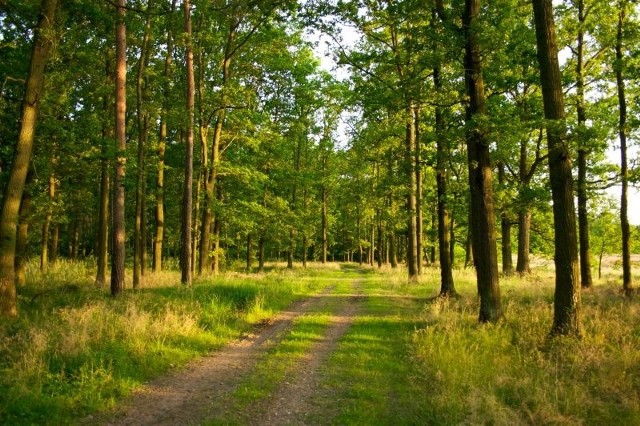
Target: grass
514, 373
75, 349
407, 358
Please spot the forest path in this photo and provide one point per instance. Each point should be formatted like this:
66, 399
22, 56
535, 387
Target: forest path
204, 391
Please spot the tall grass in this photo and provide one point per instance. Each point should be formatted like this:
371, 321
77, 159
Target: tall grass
74, 349
514, 373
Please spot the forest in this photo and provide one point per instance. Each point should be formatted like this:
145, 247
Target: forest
204, 151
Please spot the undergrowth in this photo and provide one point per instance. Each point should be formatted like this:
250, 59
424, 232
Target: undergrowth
74, 349
514, 373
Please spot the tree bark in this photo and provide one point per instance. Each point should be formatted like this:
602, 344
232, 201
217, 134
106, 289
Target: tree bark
567, 292
480, 174
261, 254
447, 287
22, 156
143, 127
523, 265
187, 204
118, 206
102, 244
158, 240
46, 226
505, 225
583, 152
418, 171
325, 210
249, 247
624, 173
23, 233
410, 148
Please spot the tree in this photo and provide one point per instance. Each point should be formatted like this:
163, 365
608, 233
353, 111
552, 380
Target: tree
118, 251
622, 135
480, 173
162, 143
187, 208
567, 286
18, 176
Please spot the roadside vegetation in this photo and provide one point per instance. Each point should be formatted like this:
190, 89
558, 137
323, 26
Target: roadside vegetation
408, 357
75, 349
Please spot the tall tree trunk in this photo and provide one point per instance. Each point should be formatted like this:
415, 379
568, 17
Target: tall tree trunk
325, 215
583, 152
118, 251
23, 233
187, 205
380, 245
22, 157
249, 247
505, 226
211, 193
523, 265
142, 122
447, 287
412, 236
54, 244
567, 293
158, 240
480, 175
624, 173
393, 256
102, 243
418, 171
46, 227
261, 253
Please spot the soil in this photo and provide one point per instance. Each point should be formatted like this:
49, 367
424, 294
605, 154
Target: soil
203, 390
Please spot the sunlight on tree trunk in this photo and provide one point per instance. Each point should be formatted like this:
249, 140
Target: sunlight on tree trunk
9, 215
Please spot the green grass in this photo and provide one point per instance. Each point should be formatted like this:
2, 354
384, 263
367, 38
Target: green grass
514, 373
407, 358
279, 362
371, 377
74, 349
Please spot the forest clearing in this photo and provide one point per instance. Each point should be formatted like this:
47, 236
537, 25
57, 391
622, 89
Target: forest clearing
336, 344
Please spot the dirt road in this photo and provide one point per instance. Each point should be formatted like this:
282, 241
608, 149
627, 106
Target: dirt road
203, 391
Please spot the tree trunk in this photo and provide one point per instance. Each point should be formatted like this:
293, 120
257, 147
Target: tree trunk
210, 193
418, 171
158, 240
505, 225
23, 233
480, 175
118, 251
567, 293
142, 122
261, 254
22, 157
187, 204
46, 227
447, 287
249, 246
583, 152
393, 256
624, 173
412, 241
380, 247
103, 210
523, 265
54, 244
325, 218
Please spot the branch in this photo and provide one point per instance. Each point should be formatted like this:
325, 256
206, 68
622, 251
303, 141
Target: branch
140, 11
220, 108
253, 30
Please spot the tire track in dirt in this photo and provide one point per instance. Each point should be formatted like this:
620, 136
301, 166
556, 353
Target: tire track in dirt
192, 394
295, 402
